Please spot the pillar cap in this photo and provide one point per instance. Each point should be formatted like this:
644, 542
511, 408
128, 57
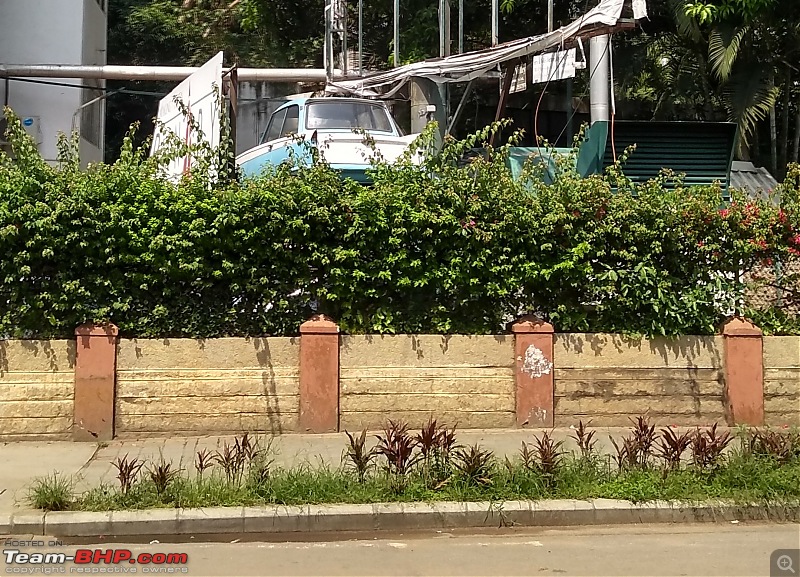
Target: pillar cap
97, 330
739, 327
531, 324
319, 325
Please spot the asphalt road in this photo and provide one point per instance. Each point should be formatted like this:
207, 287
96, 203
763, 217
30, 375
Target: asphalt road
691, 550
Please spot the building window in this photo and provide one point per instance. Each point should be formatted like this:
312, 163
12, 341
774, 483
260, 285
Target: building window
92, 115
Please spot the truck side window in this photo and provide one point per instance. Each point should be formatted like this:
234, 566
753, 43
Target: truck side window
292, 118
275, 125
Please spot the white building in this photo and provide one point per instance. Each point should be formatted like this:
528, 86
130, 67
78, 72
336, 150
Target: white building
55, 32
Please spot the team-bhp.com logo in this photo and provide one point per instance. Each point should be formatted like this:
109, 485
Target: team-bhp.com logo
94, 561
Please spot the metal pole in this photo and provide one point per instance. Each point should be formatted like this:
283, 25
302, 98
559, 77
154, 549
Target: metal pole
397, 32
549, 15
447, 36
444, 28
328, 50
233, 113
325, 40
343, 32
441, 28
570, 111
460, 108
501, 104
599, 80
460, 26
166, 73
495, 22
360, 37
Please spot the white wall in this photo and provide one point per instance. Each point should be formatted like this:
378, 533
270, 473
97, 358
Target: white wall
52, 32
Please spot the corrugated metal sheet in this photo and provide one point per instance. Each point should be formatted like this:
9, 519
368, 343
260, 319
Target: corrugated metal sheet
757, 182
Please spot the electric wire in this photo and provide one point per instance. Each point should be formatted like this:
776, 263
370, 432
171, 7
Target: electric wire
83, 87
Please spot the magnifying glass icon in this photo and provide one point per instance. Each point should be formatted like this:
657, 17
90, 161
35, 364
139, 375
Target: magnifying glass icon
784, 563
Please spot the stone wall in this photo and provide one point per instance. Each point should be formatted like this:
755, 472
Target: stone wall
782, 380
609, 378
467, 380
36, 389
214, 386
154, 387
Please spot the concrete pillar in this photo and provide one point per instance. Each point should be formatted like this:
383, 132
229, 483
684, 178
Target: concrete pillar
533, 372
95, 382
744, 373
319, 375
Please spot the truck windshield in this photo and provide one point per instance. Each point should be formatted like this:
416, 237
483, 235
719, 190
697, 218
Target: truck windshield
348, 115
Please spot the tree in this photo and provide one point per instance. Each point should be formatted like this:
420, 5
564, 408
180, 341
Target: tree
754, 49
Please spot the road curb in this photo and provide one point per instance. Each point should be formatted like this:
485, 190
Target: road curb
387, 517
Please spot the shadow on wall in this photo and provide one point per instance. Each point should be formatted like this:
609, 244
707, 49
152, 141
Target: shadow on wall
40, 348
225, 385
668, 348
270, 389
417, 345
682, 366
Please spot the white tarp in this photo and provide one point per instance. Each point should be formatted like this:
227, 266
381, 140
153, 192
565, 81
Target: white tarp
470, 65
200, 94
639, 9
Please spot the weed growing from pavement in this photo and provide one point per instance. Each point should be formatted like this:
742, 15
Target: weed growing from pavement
402, 467
52, 493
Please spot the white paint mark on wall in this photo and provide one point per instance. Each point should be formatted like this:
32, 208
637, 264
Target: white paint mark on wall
538, 415
535, 363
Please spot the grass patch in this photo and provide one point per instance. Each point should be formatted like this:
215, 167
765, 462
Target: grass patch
763, 468
53, 492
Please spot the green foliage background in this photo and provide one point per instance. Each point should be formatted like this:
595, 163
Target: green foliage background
441, 248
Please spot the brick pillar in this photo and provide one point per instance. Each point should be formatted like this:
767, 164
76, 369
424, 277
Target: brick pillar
319, 375
744, 373
95, 382
533, 372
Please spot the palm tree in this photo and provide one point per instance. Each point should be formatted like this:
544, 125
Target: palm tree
751, 54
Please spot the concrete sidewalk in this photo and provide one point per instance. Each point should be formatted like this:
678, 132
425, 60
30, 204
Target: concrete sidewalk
90, 463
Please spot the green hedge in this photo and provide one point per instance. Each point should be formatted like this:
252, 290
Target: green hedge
440, 248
